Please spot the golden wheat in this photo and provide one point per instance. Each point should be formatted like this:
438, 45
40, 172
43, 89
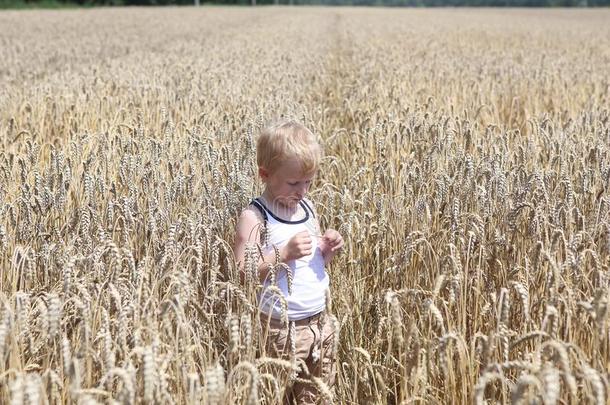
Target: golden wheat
466, 164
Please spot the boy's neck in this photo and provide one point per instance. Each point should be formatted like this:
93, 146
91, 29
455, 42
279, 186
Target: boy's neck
277, 207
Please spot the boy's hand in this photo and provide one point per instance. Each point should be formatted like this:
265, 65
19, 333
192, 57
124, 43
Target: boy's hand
332, 242
298, 246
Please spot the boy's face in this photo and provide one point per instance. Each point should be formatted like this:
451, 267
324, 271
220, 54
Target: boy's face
287, 185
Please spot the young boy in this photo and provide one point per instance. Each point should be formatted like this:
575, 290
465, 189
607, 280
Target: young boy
288, 157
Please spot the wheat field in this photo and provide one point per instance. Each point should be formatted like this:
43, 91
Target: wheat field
467, 165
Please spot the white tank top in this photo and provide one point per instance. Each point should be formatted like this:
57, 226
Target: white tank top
310, 280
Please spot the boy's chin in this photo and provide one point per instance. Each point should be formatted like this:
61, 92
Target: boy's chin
291, 203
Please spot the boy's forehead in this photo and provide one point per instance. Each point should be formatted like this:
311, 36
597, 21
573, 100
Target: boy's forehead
293, 169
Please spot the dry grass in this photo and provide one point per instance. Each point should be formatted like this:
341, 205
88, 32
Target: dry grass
467, 165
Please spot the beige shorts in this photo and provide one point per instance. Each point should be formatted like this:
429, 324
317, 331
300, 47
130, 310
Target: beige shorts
314, 345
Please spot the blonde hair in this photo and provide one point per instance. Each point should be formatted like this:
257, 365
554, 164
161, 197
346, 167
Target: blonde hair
287, 140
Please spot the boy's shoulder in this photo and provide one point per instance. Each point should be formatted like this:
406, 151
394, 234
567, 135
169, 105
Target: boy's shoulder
308, 201
250, 214
250, 224
310, 204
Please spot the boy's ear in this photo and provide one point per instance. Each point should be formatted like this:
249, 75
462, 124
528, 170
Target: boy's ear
263, 173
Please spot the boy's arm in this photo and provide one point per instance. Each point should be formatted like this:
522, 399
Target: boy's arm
248, 231
331, 242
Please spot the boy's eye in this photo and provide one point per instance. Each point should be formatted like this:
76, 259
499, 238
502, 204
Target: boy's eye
295, 183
